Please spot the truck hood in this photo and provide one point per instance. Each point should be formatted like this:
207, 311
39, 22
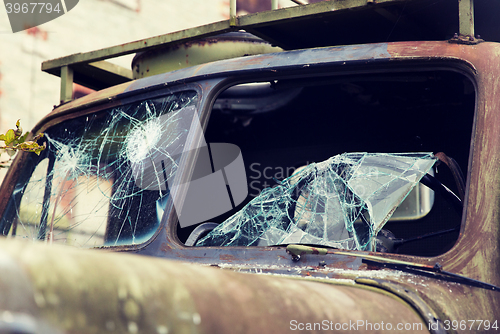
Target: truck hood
57, 289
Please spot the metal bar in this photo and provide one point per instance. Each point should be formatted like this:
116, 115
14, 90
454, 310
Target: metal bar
466, 17
140, 45
264, 18
113, 68
232, 13
97, 75
248, 22
66, 84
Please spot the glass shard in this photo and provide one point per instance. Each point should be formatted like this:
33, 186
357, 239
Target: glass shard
100, 182
342, 202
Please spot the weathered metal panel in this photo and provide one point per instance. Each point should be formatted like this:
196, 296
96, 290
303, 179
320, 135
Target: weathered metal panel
66, 84
140, 45
170, 58
90, 292
212, 29
477, 248
466, 17
325, 23
270, 63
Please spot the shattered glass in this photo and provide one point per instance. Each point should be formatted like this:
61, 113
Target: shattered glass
342, 202
95, 184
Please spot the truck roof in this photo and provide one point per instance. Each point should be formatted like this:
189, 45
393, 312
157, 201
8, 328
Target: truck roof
326, 23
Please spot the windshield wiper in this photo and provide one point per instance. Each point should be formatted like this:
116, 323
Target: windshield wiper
435, 271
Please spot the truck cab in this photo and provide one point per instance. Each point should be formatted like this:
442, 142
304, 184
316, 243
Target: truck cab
334, 166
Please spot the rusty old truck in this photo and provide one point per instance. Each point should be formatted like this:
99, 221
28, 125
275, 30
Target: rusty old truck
327, 167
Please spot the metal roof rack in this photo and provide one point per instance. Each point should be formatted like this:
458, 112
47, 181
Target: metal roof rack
327, 23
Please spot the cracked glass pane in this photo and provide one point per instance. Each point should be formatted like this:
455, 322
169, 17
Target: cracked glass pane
96, 184
342, 202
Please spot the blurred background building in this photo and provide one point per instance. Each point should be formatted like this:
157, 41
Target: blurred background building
28, 94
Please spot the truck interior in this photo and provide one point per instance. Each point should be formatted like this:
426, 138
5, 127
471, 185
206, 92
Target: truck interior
320, 117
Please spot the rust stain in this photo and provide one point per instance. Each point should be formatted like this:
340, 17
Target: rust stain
227, 257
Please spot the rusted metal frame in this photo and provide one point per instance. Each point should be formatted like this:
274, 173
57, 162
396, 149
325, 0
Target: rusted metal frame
172, 242
66, 84
93, 60
242, 22
101, 74
185, 169
466, 17
12, 178
97, 75
167, 246
232, 12
480, 247
168, 238
140, 45
113, 68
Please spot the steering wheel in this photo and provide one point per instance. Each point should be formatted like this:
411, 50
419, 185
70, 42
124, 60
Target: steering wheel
386, 241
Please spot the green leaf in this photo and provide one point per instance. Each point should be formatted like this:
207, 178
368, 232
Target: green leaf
9, 137
15, 140
23, 137
19, 139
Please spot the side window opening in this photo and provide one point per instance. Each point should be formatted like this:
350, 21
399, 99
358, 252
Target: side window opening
315, 119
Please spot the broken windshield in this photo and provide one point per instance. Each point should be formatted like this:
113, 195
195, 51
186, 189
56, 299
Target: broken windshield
320, 119
96, 183
342, 202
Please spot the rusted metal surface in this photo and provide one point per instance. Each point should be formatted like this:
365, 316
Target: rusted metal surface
66, 84
270, 63
466, 17
88, 292
478, 246
187, 35
206, 50
353, 21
